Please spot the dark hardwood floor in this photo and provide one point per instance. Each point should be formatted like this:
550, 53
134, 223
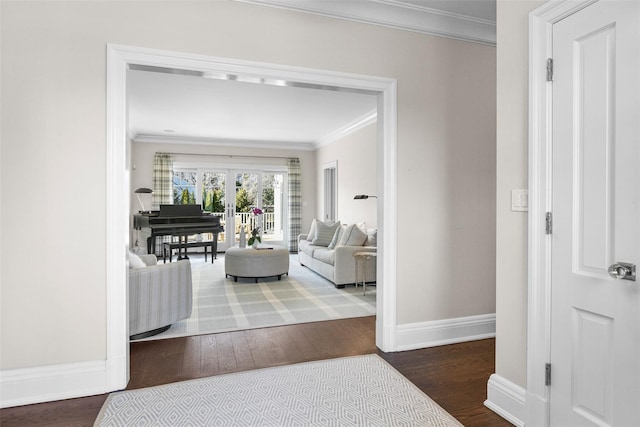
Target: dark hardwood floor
455, 376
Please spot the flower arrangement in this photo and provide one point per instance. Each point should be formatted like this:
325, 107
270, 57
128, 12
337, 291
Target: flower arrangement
255, 232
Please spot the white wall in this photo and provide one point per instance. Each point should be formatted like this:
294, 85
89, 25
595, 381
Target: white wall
512, 161
54, 170
356, 156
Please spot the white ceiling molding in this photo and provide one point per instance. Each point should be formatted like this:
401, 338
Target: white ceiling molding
367, 119
399, 14
214, 142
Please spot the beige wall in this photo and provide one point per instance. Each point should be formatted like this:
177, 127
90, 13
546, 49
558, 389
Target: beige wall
54, 170
356, 157
512, 161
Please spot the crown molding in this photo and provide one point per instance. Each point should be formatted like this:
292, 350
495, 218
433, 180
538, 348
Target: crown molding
396, 14
215, 142
359, 123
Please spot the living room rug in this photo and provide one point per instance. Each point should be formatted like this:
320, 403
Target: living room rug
222, 305
350, 391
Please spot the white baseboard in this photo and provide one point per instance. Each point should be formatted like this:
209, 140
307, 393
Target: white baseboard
506, 399
448, 331
48, 383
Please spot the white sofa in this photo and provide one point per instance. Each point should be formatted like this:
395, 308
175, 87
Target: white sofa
337, 263
159, 294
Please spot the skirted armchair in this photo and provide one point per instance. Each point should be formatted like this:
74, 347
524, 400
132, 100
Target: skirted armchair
159, 295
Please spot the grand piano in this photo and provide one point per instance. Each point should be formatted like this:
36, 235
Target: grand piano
177, 220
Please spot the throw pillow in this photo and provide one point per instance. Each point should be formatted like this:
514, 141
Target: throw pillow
135, 261
312, 231
353, 236
372, 237
336, 237
324, 233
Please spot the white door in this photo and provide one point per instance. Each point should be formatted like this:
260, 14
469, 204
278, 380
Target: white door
595, 333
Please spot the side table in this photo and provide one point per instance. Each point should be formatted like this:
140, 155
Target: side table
361, 258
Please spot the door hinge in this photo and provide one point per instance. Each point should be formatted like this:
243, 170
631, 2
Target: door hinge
550, 69
547, 374
549, 223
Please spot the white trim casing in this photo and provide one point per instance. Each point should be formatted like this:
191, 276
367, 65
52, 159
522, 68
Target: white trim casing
124, 56
541, 23
412, 336
506, 399
387, 214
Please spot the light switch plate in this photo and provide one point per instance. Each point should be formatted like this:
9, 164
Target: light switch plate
519, 200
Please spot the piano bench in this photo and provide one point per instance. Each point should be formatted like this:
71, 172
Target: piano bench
170, 246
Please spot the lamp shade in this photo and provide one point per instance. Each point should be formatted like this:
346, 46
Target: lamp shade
362, 196
143, 190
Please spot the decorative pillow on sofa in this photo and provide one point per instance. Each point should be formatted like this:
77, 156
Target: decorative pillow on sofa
353, 236
135, 261
372, 237
312, 231
324, 233
336, 237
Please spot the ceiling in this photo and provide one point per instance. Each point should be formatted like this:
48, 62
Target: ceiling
181, 106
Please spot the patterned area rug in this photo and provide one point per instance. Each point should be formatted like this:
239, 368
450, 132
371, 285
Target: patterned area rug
351, 391
222, 305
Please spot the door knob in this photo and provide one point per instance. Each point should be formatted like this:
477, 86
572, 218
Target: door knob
623, 270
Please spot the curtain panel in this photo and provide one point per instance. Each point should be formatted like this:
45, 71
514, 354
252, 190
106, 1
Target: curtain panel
162, 188
295, 203
162, 180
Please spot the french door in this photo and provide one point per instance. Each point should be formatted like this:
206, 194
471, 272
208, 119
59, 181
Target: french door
231, 194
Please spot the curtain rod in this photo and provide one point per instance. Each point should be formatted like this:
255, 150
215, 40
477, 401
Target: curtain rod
231, 156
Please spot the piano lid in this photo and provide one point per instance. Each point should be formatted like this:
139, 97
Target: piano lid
180, 210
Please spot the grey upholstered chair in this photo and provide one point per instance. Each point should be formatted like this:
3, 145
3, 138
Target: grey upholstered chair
159, 295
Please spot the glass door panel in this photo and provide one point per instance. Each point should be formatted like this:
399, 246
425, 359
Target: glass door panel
246, 190
214, 200
184, 187
273, 206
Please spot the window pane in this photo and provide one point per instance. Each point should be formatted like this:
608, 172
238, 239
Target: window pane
184, 188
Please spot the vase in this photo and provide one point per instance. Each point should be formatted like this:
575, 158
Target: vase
243, 238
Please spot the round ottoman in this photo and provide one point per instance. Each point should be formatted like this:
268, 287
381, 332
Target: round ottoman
252, 263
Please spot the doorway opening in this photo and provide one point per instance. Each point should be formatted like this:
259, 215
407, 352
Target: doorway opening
119, 60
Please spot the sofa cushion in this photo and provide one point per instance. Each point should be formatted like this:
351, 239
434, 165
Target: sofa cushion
353, 236
324, 233
308, 248
325, 255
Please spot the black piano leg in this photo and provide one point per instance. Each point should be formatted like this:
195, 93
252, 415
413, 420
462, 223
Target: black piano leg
182, 248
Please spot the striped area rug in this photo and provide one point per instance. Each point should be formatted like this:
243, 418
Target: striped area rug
222, 305
352, 391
